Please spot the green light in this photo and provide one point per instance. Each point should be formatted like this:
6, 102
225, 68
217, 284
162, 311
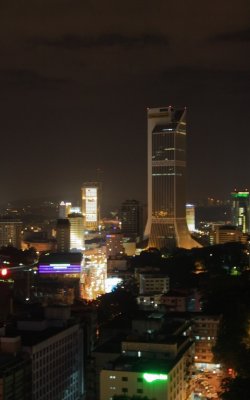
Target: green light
240, 194
154, 377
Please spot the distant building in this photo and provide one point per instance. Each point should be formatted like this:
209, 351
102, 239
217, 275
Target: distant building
153, 283
205, 331
38, 240
241, 210
91, 199
76, 232
226, 233
114, 244
63, 235
182, 300
10, 232
150, 301
190, 216
64, 209
129, 247
167, 225
131, 215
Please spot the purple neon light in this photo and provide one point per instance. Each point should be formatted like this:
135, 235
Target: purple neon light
70, 269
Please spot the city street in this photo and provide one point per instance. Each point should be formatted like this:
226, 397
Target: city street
207, 385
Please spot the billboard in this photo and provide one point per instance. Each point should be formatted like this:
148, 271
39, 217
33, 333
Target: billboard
58, 268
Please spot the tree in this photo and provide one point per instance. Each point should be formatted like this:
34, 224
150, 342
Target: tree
234, 389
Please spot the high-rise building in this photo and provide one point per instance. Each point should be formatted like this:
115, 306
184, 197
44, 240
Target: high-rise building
190, 215
76, 232
16, 371
91, 192
166, 225
10, 232
63, 235
241, 210
132, 218
54, 347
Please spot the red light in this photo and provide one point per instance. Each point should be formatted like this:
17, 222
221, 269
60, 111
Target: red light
4, 271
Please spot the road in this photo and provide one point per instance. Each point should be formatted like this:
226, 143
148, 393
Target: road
207, 385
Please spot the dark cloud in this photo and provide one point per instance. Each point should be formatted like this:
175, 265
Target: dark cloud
236, 36
26, 78
78, 75
71, 42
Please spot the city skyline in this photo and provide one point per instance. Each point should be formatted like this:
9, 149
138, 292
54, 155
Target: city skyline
76, 82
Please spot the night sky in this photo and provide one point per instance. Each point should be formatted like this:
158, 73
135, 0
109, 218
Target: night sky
76, 77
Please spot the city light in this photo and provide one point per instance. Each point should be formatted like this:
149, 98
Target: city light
4, 271
154, 377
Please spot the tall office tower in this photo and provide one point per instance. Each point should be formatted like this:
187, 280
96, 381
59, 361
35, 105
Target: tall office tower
91, 193
10, 232
64, 209
166, 225
190, 216
132, 218
76, 232
63, 235
241, 210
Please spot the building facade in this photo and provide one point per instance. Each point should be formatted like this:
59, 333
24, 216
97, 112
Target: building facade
153, 283
91, 196
225, 234
241, 210
167, 225
15, 370
76, 232
10, 232
205, 331
190, 215
114, 245
55, 348
63, 235
64, 209
132, 218
149, 369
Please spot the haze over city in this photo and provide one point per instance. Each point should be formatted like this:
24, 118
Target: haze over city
77, 77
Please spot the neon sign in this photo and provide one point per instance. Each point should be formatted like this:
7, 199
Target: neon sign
154, 377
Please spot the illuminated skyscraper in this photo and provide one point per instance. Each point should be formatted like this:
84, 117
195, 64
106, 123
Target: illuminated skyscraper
241, 210
190, 216
166, 225
91, 204
76, 232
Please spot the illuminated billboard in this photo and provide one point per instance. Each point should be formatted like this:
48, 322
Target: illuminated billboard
91, 204
58, 268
